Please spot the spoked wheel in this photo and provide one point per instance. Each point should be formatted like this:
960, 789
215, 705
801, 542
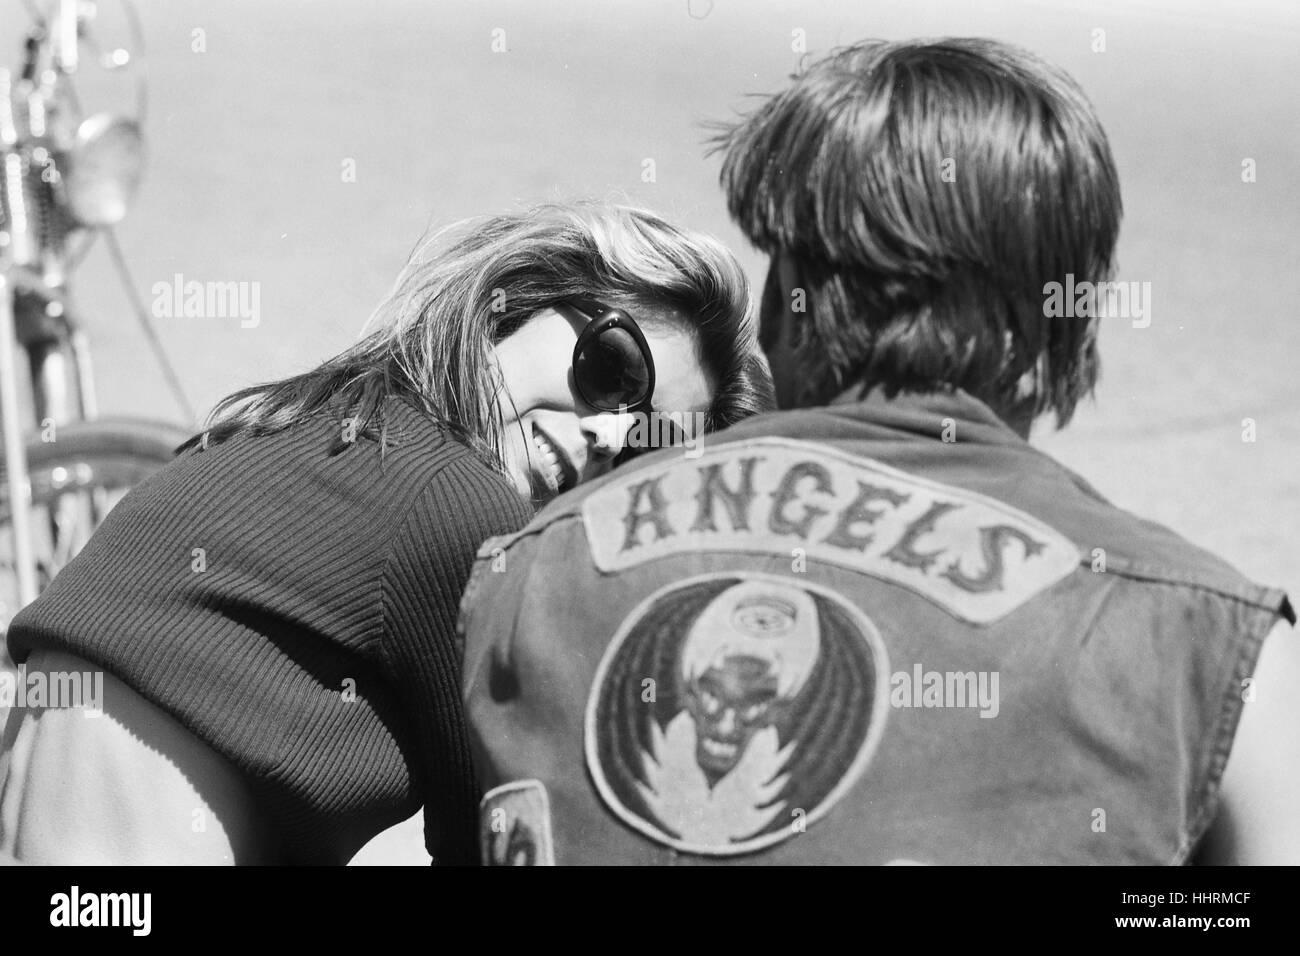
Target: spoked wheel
75, 480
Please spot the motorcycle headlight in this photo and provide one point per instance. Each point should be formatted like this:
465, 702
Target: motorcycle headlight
102, 170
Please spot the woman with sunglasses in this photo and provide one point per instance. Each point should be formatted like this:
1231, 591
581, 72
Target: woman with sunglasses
274, 612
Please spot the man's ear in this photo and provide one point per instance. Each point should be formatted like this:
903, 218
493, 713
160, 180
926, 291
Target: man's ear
788, 270
778, 332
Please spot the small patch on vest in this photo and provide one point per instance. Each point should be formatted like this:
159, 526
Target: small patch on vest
707, 725
972, 555
515, 825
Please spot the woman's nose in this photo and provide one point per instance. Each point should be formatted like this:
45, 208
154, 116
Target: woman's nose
607, 433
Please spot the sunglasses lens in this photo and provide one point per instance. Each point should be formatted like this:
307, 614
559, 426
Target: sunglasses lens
611, 370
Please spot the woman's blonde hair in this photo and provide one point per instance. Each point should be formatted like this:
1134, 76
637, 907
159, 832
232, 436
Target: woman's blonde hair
472, 284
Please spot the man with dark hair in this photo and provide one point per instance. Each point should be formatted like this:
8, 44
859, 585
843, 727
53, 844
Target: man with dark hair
920, 195
878, 626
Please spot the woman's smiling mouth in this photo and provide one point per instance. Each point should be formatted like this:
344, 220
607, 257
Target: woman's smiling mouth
553, 464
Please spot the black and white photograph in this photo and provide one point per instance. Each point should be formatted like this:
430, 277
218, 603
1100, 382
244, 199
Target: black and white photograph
650, 433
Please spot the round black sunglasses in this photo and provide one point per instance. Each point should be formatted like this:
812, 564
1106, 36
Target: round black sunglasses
613, 370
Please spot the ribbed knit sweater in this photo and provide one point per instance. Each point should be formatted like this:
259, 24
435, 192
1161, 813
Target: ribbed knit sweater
295, 608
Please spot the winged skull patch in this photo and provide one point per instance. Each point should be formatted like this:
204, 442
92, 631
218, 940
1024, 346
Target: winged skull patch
733, 710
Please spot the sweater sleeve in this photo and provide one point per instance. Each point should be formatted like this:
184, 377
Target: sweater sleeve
427, 569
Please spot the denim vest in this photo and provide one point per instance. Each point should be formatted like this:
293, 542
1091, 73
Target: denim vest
886, 631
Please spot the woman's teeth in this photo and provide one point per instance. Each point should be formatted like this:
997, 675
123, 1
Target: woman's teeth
549, 458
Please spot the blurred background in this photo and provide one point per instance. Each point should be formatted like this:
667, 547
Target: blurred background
305, 146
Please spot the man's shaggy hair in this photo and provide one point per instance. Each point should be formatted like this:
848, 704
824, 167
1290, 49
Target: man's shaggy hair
926, 192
